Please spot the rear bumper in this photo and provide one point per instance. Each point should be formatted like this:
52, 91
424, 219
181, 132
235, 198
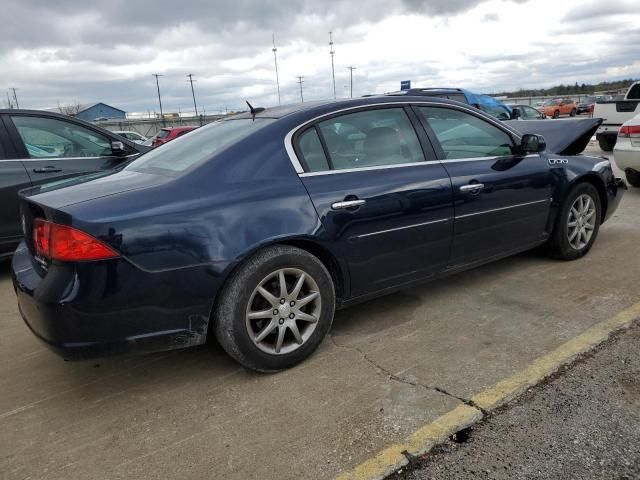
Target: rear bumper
81, 312
626, 155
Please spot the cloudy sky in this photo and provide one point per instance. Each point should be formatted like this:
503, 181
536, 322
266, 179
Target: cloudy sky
85, 51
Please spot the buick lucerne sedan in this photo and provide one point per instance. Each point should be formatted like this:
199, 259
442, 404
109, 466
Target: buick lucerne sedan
253, 230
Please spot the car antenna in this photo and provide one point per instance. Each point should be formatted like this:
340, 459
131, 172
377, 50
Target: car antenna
254, 110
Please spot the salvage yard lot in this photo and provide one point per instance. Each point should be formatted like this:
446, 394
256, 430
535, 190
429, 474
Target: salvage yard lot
389, 367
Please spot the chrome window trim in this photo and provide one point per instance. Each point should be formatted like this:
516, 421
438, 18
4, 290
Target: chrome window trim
503, 208
44, 159
375, 167
288, 139
380, 232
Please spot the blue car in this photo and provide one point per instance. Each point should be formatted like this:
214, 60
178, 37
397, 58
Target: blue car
253, 230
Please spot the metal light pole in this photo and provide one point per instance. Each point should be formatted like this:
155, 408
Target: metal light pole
351, 69
275, 61
300, 80
333, 72
193, 94
164, 122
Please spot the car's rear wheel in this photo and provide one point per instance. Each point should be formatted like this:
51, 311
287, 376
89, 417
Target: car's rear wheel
556, 114
633, 178
606, 144
275, 309
573, 113
577, 224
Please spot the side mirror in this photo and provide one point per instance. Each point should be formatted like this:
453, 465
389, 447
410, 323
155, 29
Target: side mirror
118, 149
515, 114
531, 143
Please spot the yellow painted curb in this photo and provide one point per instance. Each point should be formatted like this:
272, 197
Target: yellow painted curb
427, 436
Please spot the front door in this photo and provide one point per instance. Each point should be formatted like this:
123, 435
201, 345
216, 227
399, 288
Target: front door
501, 198
383, 199
54, 148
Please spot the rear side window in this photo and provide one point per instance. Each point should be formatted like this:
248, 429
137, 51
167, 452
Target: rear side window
312, 151
201, 145
371, 138
163, 134
462, 135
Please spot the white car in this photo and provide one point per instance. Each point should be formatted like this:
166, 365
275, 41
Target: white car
626, 153
135, 137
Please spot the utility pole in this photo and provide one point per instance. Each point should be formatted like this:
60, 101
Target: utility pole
300, 80
193, 93
164, 122
9, 104
275, 61
351, 69
333, 72
15, 97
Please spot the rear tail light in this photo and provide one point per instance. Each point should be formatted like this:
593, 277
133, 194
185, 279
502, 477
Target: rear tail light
630, 131
59, 242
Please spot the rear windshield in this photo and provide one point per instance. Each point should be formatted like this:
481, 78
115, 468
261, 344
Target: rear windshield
199, 146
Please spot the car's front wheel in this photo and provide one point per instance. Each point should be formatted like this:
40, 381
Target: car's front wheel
577, 224
275, 309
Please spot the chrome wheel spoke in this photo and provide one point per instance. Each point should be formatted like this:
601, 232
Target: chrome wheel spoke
572, 224
296, 333
283, 284
281, 331
574, 233
262, 314
309, 298
268, 296
298, 286
305, 317
264, 333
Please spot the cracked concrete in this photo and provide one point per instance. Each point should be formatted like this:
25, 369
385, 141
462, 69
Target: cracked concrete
395, 364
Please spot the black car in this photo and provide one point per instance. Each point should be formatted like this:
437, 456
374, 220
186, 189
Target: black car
255, 228
525, 112
39, 147
586, 105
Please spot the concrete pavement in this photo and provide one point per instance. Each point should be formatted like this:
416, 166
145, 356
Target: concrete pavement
391, 366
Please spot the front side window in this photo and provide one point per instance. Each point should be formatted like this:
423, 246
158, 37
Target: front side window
532, 112
462, 135
371, 138
53, 138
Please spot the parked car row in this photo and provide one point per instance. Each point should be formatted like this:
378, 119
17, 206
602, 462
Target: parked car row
314, 207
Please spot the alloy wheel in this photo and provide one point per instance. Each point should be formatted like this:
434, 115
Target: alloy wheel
581, 222
283, 311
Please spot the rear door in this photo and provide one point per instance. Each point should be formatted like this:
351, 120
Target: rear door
383, 198
13, 177
56, 148
501, 198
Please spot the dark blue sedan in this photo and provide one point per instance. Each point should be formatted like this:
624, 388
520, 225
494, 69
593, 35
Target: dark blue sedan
255, 229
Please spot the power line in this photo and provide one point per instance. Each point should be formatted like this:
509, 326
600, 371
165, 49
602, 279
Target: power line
193, 93
275, 61
164, 122
351, 69
333, 72
300, 81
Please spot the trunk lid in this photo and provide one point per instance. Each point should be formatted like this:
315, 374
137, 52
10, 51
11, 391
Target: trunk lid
565, 137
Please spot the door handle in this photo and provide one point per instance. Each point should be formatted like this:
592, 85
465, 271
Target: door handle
347, 204
472, 187
47, 169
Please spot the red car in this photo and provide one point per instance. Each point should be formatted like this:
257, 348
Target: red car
169, 133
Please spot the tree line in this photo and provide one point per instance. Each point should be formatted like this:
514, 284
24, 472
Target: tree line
559, 90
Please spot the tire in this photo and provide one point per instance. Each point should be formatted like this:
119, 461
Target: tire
573, 113
556, 114
238, 334
559, 245
606, 144
633, 178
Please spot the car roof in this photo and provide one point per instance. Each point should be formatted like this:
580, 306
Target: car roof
322, 106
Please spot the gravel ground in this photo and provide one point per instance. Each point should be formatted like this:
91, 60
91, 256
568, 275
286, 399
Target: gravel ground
582, 424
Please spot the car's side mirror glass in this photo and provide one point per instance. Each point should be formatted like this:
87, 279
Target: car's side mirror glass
118, 148
531, 143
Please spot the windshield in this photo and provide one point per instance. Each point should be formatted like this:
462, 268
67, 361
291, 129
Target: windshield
550, 103
200, 145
